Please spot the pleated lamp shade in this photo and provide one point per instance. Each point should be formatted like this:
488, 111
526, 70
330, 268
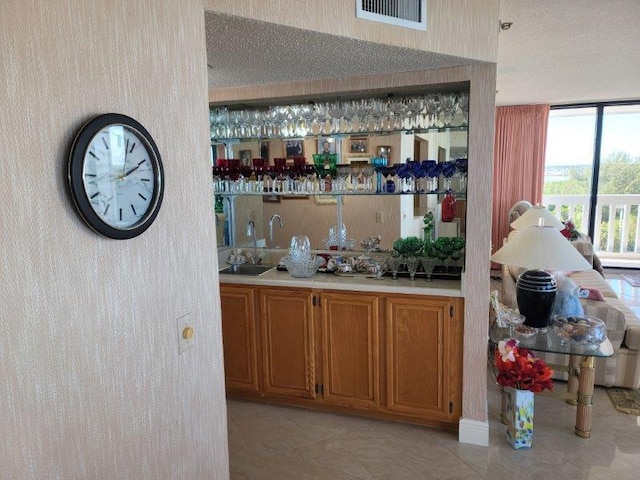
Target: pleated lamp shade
537, 215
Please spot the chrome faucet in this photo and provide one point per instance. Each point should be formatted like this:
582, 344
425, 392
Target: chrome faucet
251, 233
273, 217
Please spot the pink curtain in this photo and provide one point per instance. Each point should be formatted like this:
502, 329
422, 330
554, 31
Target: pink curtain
518, 162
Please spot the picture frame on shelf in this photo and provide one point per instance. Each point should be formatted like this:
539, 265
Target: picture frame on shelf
264, 150
294, 148
245, 157
359, 145
326, 145
295, 197
325, 199
271, 198
383, 151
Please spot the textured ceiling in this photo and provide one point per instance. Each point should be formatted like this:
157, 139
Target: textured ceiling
243, 52
555, 52
568, 51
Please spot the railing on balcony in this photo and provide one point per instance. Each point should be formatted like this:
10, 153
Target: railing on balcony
617, 220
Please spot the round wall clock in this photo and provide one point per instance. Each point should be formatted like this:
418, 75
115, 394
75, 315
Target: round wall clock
116, 176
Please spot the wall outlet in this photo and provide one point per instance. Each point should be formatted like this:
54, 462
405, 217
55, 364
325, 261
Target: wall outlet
185, 332
379, 217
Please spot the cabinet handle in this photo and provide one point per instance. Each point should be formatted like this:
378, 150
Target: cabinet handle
451, 311
314, 304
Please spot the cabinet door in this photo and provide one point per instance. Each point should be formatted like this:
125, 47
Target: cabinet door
239, 337
350, 364
424, 355
288, 342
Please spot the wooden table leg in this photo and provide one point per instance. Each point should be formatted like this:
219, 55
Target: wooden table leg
572, 381
585, 397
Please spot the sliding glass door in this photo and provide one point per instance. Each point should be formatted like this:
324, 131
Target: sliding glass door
592, 176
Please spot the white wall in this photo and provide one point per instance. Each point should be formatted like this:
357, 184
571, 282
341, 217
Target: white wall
92, 383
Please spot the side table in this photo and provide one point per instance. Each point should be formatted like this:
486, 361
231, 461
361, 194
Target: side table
581, 370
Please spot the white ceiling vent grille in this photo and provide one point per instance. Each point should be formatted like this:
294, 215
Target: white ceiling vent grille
403, 13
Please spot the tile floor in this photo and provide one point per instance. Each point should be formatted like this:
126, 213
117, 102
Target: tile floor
269, 442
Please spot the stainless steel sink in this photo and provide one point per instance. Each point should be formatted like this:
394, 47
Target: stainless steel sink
244, 269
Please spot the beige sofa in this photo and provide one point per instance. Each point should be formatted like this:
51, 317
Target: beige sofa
623, 328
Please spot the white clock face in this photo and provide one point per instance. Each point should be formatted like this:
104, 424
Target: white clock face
118, 176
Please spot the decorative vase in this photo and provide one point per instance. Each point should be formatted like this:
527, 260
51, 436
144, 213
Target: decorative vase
519, 417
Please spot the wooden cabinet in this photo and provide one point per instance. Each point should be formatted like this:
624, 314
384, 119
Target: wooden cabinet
288, 342
424, 356
386, 355
350, 349
239, 337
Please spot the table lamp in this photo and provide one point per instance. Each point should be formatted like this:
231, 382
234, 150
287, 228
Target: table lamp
539, 248
537, 215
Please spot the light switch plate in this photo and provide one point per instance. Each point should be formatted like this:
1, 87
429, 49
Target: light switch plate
182, 322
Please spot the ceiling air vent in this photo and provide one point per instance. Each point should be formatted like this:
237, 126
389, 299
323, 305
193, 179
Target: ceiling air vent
402, 13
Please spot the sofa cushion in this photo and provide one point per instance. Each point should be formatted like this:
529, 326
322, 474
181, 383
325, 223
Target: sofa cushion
613, 318
632, 324
592, 279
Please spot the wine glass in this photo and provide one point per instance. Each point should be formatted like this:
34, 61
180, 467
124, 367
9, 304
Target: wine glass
462, 167
449, 105
412, 266
443, 248
433, 172
428, 263
395, 262
448, 169
432, 104
463, 103
455, 256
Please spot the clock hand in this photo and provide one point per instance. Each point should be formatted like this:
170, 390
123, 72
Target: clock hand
124, 165
131, 170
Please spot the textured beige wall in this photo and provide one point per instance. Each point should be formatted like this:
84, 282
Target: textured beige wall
464, 28
92, 383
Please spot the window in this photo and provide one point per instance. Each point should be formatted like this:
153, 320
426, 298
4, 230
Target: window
592, 175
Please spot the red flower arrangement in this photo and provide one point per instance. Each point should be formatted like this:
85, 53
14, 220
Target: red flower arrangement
520, 368
570, 232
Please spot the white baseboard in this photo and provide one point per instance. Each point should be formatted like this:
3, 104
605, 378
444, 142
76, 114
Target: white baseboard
474, 432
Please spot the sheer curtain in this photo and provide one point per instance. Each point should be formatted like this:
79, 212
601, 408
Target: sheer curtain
518, 162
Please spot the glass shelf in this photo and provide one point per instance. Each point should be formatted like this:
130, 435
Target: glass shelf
458, 195
344, 134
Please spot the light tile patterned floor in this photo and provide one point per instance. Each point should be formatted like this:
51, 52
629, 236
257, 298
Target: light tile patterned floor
268, 442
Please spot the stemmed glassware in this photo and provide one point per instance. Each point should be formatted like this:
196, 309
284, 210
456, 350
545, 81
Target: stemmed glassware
457, 245
341, 116
449, 104
412, 266
433, 172
395, 262
432, 106
462, 167
448, 169
463, 104
442, 247
428, 264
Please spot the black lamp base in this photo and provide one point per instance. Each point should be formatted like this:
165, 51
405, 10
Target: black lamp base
536, 293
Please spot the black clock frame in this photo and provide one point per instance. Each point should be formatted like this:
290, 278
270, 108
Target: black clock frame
76, 181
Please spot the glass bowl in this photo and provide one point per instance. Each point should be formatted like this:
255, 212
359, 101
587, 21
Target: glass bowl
583, 331
302, 269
